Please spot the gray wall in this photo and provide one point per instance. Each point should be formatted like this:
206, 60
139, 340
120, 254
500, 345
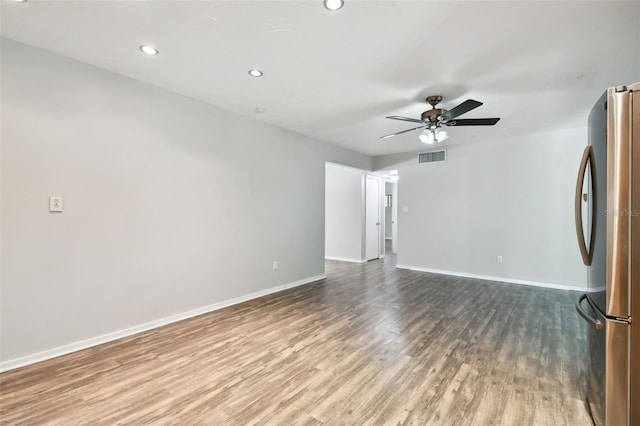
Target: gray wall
170, 204
344, 213
512, 198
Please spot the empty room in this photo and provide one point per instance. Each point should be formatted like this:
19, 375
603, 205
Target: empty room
319, 212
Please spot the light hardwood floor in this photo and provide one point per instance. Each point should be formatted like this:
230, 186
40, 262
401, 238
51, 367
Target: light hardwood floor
369, 345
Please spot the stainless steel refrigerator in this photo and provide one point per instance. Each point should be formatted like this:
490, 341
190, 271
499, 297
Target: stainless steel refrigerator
608, 228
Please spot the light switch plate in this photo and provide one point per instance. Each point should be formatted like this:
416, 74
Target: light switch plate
55, 203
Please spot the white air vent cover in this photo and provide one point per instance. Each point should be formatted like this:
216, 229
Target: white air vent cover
432, 157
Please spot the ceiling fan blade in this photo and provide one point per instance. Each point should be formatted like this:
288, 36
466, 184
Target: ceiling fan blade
464, 107
397, 117
399, 133
473, 122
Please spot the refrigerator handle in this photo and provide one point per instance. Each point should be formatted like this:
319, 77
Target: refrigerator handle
585, 315
587, 157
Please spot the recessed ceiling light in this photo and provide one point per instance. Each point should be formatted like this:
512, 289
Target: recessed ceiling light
149, 50
255, 73
260, 110
20, 1
333, 4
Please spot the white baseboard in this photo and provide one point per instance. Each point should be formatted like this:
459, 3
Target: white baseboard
109, 337
491, 278
345, 259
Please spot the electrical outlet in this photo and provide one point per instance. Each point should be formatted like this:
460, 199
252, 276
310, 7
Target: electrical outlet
275, 265
55, 203
499, 259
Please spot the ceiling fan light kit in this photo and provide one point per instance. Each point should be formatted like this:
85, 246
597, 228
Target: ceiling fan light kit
426, 137
432, 120
429, 136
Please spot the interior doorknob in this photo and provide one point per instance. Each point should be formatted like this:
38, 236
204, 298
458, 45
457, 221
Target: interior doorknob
378, 223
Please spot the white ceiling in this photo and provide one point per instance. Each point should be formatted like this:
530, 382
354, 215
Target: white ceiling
335, 75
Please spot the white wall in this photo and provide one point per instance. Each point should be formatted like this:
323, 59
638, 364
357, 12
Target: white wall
171, 205
344, 219
512, 198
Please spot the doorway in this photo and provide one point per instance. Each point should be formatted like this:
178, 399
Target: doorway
354, 214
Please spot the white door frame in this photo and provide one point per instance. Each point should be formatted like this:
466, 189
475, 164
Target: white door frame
373, 212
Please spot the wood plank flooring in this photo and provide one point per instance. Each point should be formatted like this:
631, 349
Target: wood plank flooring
370, 345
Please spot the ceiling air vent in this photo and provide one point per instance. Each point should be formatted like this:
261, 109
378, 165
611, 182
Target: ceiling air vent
432, 157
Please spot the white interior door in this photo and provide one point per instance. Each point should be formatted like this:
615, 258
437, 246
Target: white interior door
394, 218
372, 218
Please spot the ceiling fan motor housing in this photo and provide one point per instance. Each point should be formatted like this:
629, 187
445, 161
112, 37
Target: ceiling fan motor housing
433, 115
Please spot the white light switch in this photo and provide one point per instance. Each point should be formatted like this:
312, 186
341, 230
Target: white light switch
275, 265
405, 209
55, 203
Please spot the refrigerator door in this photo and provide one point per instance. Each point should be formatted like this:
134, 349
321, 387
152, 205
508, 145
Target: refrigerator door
596, 383
618, 212
618, 339
597, 273
608, 381
635, 258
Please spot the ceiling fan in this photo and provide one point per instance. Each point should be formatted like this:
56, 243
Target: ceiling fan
432, 120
